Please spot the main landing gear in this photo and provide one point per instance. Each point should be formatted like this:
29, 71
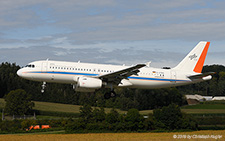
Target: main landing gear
110, 95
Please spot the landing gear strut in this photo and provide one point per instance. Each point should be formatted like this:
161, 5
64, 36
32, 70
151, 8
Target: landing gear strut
111, 93
43, 87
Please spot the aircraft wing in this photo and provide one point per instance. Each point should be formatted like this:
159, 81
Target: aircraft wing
117, 76
200, 76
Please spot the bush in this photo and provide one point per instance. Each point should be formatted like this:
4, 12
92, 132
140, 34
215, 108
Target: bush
99, 115
10, 126
149, 123
76, 126
171, 118
211, 120
133, 120
112, 117
27, 123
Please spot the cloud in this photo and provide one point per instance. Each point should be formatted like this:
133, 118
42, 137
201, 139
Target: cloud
111, 18
127, 56
108, 31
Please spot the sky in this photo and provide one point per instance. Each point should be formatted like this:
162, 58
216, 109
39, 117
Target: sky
110, 31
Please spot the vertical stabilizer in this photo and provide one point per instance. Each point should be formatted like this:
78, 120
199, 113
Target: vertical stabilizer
194, 61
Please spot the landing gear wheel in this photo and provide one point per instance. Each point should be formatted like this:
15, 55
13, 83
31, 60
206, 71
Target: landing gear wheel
107, 96
43, 87
113, 94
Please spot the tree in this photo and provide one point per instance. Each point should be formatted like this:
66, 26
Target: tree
112, 117
18, 102
99, 115
221, 83
86, 113
134, 120
169, 116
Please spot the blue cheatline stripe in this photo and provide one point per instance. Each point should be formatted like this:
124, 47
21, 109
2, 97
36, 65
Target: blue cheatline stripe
155, 79
90, 74
70, 73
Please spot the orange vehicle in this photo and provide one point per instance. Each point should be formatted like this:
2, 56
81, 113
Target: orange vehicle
33, 127
45, 127
38, 127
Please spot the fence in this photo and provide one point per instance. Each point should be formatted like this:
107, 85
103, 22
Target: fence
6, 117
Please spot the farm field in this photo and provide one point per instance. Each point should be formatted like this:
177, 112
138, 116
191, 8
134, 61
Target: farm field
205, 106
209, 107
197, 135
203, 111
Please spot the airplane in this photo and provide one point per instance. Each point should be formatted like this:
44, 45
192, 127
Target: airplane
89, 77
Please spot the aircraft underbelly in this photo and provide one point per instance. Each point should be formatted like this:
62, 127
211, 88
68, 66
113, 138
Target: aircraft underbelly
53, 78
150, 84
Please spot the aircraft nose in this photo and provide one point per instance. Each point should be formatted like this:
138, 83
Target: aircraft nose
19, 72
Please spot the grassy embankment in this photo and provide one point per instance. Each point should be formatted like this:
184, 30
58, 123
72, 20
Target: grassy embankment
205, 108
57, 107
210, 107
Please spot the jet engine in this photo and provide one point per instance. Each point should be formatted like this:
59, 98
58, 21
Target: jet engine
87, 84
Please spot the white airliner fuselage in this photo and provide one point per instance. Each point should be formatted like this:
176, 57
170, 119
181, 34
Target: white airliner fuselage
87, 77
68, 72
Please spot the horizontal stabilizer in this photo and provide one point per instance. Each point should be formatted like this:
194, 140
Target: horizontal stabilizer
200, 76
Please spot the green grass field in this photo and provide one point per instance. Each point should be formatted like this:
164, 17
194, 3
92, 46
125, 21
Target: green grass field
57, 107
67, 108
205, 106
209, 107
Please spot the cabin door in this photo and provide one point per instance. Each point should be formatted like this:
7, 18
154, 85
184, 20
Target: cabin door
44, 66
173, 77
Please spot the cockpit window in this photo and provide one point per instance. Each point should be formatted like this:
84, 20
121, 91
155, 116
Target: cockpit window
30, 66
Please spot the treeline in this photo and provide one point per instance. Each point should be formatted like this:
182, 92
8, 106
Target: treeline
213, 87
168, 118
126, 98
96, 120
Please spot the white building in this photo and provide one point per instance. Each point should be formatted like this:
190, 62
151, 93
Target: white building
219, 98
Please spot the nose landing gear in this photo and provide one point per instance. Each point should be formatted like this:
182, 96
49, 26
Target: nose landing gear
43, 87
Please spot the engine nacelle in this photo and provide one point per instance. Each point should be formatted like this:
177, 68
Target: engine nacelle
89, 83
